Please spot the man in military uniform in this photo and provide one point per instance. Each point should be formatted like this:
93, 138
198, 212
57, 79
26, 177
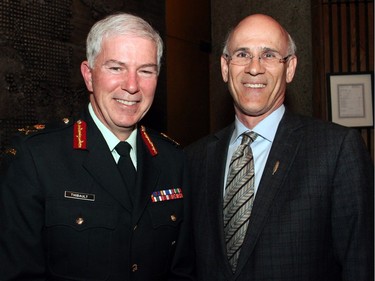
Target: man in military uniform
69, 210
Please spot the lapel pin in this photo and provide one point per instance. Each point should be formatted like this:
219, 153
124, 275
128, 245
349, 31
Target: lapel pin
275, 167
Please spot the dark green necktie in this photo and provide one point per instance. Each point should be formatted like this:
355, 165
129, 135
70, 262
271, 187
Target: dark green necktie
126, 167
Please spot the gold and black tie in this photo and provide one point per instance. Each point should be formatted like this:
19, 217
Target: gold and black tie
238, 199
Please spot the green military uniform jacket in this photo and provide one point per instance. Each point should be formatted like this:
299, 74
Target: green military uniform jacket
65, 213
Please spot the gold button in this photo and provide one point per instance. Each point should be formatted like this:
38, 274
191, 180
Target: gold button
80, 221
173, 217
134, 267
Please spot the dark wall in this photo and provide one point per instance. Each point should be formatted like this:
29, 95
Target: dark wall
188, 42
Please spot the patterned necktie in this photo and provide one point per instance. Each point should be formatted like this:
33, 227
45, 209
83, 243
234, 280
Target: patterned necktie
125, 166
238, 199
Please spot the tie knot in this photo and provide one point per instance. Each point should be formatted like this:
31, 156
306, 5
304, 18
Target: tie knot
248, 137
123, 148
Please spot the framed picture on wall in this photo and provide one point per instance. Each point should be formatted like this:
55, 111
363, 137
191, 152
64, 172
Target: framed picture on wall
351, 99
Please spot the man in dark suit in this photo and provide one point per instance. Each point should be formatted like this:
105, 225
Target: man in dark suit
68, 211
310, 198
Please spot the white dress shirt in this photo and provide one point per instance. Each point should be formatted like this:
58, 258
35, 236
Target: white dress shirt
112, 140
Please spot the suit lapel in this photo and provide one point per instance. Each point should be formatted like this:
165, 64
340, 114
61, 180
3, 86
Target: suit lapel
100, 164
280, 159
217, 151
108, 176
147, 177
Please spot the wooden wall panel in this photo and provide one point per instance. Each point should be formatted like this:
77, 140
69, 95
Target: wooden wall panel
188, 42
344, 36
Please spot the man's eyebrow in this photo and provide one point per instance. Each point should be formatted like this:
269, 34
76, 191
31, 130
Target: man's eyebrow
124, 64
149, 65
247, 49
242, 49
268, 49
113, 61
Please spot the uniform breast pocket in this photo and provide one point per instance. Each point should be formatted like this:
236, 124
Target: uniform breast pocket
79, 235
159, 234
166, 214
166, 218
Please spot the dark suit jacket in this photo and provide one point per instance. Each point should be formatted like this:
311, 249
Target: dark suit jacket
312, 217
94, 233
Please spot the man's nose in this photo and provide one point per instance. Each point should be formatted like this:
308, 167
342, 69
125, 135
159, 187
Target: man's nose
130, 82
255, 66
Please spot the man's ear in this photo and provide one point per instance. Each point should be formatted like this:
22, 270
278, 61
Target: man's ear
291, 69
224, 69
87, 75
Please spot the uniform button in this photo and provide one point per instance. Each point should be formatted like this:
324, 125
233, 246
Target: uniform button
134, 267
173, 217
80, 221
135, 227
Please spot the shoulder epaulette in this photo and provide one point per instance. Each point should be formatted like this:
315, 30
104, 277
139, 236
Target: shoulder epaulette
170, 139
6, 158
11, 151
29, 129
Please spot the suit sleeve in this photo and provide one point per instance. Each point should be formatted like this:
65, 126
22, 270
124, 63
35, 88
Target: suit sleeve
352, 210
21, 221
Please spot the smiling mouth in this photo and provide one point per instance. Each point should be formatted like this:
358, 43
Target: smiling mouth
254, 86
126, 102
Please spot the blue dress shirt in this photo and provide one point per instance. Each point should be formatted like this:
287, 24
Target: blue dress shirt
266, 130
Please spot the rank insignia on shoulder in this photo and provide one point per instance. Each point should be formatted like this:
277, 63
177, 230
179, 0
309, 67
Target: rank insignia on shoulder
31, 129
11, 151
170, 139
79, 135
150, 145
167, 194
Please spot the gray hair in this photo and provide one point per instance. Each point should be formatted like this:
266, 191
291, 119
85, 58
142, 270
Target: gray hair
120, 24
292, 48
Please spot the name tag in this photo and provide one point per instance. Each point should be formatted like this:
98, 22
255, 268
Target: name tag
79, 195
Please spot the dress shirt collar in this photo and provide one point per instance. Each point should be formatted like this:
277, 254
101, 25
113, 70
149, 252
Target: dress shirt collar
266, 128
109, 137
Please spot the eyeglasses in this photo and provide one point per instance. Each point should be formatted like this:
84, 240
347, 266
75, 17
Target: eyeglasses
267, 58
